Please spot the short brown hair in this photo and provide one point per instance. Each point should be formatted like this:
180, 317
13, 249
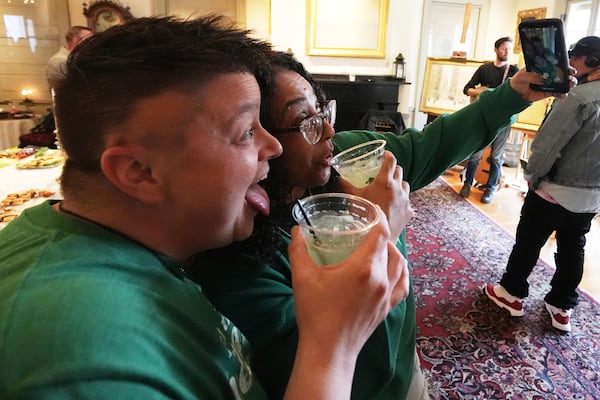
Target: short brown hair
112, 71
499, 42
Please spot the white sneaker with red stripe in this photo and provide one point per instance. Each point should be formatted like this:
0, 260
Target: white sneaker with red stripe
503, 299
561, 318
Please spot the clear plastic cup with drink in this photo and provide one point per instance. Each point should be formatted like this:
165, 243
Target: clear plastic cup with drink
360, 164
334, 224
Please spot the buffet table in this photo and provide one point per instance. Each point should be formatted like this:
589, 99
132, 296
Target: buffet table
11, 129
43, 181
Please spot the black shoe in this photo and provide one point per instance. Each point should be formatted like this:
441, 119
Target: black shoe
488, 195
465, 191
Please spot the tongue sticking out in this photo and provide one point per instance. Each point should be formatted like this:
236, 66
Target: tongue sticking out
258, 199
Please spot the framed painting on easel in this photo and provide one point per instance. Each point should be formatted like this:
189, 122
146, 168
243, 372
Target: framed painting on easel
443, 84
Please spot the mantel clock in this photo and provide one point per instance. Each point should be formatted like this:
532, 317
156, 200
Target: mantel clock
103, 14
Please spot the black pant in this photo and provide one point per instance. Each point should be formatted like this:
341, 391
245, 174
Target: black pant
539, 218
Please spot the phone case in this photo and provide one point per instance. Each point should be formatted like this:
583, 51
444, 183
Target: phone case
545, 53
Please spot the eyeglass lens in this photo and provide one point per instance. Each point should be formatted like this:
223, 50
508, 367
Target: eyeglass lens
330, 112
312, 128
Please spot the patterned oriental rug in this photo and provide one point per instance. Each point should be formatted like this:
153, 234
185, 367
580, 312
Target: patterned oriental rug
471, 349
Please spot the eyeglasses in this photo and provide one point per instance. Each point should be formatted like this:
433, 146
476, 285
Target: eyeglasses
312, 127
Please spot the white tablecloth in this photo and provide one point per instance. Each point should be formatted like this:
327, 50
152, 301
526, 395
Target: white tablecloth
13, 180
11, 129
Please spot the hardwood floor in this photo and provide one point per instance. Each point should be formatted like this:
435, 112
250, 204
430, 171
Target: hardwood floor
505, 210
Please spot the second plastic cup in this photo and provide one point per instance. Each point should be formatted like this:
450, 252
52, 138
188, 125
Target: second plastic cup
360, 164
337, 224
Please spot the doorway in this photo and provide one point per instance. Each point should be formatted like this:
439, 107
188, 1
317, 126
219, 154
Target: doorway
442, 31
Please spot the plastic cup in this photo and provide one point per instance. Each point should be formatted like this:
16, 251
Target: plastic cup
360, 164
337, 224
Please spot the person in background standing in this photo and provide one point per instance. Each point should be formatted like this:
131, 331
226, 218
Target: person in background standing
489, 75
56, 66
563, 172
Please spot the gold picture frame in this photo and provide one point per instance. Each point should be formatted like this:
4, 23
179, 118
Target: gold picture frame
443, 84
352, 28
534, 13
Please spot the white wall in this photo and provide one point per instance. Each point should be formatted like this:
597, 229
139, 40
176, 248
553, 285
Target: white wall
554, 8
289, 31
403, 35
284, 22
23, 55
501, 20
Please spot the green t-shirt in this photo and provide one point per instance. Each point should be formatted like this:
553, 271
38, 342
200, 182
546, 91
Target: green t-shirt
88, 313
259, 298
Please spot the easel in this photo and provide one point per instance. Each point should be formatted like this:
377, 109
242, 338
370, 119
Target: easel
461, 51
528, 132
527, 125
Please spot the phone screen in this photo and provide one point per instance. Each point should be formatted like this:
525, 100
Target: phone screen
545, 53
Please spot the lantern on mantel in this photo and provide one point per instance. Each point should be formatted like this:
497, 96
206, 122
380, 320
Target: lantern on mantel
399, 67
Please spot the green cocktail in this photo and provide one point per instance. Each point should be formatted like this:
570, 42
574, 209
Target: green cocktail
360, 164
337, 224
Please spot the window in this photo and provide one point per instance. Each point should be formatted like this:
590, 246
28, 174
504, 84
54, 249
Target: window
583, 19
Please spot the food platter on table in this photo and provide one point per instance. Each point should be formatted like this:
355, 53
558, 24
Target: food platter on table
8, 212
28, 176
17, 153
31, 157
43, 158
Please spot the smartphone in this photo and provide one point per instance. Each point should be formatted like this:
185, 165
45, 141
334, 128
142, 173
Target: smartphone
545, 52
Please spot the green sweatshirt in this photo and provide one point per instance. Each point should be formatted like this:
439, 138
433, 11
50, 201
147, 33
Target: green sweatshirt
86, 313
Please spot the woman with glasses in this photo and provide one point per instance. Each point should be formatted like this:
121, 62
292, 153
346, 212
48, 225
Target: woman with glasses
253, 285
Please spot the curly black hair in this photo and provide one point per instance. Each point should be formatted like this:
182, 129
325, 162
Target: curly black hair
277, 184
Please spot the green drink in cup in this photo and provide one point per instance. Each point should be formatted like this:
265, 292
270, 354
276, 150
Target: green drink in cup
360, 164
334, 224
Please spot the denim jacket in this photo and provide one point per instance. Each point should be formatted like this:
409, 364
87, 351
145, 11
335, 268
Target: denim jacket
566, 149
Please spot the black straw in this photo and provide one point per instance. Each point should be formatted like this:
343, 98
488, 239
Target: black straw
314, 235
